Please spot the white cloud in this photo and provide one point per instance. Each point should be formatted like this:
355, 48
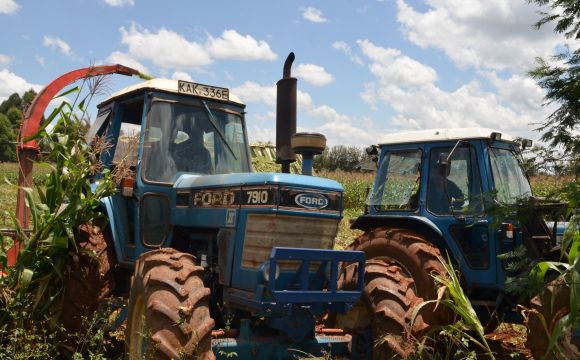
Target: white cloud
41, 60
118, 57
164, 48
5, 60
57, 43
8, 7
314, 74
120, 3
402, 83
253, 92
11, 83
521, 92
161, 46
345, 48
232, 45
338, 128
180, 75
491, 34
313, 15
390, 66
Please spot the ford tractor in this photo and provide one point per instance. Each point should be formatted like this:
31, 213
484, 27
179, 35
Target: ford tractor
217, 261
432, 199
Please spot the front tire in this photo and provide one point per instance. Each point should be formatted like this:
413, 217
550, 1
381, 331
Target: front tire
168, 308
384, 309
419, 261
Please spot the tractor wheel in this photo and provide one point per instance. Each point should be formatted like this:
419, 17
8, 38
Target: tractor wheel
168, 308
91, 278
384, 310
549, 307
419, 261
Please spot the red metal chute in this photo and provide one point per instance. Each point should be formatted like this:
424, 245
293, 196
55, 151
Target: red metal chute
27, 151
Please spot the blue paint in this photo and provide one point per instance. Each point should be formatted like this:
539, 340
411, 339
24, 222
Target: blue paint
207, 216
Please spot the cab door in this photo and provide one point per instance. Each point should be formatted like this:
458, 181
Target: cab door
454, 202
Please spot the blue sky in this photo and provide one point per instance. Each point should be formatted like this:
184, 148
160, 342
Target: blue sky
365, 68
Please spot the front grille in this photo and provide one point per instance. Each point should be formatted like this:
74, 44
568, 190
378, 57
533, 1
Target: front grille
265, 231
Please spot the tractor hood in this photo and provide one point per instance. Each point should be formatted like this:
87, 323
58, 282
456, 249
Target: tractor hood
187, 181
259, 190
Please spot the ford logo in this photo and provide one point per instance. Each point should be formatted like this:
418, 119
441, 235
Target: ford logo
311, 201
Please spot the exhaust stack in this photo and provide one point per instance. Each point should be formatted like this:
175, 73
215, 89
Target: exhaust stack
286, 116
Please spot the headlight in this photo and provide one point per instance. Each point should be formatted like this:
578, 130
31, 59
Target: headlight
266, 271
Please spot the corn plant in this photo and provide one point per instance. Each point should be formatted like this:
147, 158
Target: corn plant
466, 330
568, 269
65, 200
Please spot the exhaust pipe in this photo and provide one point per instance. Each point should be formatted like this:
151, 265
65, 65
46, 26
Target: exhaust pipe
286, 116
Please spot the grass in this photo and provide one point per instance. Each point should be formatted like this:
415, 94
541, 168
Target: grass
8, 188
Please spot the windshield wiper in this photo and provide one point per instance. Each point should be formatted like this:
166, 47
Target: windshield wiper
217, 129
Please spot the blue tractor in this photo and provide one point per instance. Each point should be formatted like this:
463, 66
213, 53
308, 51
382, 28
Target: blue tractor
431, 197
217, 261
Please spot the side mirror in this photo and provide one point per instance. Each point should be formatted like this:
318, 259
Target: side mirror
372, 150
443, 163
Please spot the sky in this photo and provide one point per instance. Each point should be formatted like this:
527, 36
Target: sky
365, 68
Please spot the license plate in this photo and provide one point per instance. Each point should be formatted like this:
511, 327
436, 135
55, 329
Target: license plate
212, 92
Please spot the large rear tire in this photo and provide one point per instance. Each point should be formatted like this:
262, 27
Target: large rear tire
419, 260
551, 306
91, 279
168, 308
384, 309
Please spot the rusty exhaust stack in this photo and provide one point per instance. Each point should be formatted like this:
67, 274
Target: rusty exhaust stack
286, 116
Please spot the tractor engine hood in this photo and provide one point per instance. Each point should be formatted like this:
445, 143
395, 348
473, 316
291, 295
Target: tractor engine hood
259, 190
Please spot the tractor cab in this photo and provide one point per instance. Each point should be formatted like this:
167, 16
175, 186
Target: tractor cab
450, 185
159, 130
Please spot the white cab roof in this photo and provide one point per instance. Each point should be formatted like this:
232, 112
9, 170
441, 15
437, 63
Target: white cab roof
442, 135
166, 85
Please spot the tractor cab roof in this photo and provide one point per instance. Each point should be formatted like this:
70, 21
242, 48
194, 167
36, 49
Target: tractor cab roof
435, 135
164, 85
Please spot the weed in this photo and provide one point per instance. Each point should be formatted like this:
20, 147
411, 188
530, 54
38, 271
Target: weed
466, 330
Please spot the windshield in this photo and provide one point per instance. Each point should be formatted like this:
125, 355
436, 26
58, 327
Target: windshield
510, 180
397, 183
192, 139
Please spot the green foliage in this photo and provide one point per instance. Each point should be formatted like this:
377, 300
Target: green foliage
7, 140
518, 281
34, 287
341, 157
11, 111
568, 269
13, 100
23, 337
466, 329
560, 79
14, 114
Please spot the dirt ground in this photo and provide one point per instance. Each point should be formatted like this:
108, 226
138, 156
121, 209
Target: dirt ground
508, 341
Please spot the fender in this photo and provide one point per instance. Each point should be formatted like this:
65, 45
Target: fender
419, 224
117, 223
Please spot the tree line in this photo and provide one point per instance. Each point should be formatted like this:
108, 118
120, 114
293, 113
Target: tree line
11, 114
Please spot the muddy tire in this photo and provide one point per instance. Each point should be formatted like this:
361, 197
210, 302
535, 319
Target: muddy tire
91, 279
384, 308
543, 309
168, 309
419, 261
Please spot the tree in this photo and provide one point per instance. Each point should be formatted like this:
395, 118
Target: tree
27, 98
15, 116
561, 78
13, 100
7, 139
341, 157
